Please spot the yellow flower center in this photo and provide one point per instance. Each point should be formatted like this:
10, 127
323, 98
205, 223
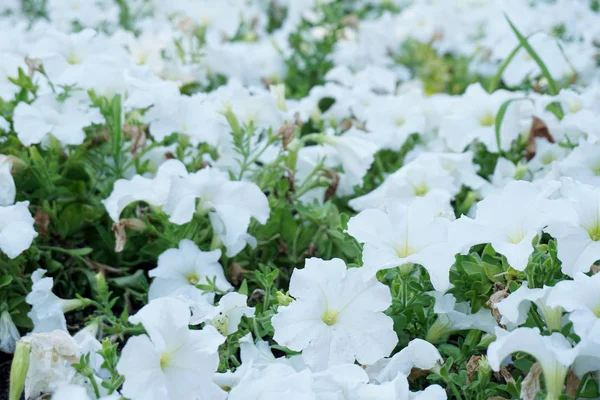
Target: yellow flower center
404, 251
594, 231
487, 120
574, 107
165, 358
329, 317
400, 121
192, 278
547, 158
516, 238
420, 190
73, 59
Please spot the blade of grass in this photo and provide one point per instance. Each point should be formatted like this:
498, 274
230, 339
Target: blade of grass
500, 118
495, 82
523, 41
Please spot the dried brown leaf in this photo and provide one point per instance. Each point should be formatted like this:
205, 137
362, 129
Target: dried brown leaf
538, 130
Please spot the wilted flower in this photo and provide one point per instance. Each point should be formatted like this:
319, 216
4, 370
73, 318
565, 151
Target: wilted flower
47, 311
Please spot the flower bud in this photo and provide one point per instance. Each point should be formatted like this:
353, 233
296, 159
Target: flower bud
484, 372
439, 329
283, 299
101, 282
232, 120
279, 92
18, 370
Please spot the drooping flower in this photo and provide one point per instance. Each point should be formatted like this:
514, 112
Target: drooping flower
47, 309
172, 362
554, 353
337, 316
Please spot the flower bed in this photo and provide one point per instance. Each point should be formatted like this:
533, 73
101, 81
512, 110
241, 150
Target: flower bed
300, 199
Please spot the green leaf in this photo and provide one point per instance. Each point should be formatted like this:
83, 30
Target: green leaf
500, 118
523, 41
495, 82
243, 288
5, 280
135, 281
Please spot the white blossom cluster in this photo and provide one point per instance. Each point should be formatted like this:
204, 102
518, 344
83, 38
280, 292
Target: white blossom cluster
333, 335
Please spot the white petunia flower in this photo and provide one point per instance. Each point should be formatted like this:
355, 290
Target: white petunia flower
180, 270
391, 120
510, 220
474, 116
578, 236
226, 317
64, 120
187, 115
401, 235
70, 59
415, 179
172, 362
229, 204
47, 309
16, 229
337, 316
